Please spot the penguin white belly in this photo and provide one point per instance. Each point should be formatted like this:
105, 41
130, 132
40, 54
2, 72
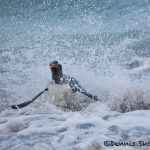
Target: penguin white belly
60, 93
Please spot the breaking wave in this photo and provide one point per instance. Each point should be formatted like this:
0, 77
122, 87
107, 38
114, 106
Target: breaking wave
103, 44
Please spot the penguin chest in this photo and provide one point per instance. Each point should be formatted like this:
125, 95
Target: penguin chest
60, 93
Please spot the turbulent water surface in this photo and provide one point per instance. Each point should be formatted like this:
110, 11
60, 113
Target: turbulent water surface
104, 44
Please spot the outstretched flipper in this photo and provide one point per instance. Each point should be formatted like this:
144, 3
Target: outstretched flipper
76, 87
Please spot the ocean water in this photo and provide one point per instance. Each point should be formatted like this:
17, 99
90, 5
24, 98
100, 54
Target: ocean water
103, 44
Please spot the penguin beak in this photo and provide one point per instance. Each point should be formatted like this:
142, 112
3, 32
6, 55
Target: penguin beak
53, 65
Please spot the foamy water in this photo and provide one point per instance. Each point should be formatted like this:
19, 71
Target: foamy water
104, 45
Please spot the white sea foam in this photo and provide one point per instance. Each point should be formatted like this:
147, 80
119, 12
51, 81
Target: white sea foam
141, 66
104, 45
46, 126
74, 129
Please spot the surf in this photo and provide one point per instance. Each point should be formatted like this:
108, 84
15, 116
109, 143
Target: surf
103, 44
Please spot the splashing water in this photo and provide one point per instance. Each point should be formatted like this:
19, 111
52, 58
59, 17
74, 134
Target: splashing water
103, 44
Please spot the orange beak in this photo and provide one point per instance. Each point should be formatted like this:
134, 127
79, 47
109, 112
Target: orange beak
53, 65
